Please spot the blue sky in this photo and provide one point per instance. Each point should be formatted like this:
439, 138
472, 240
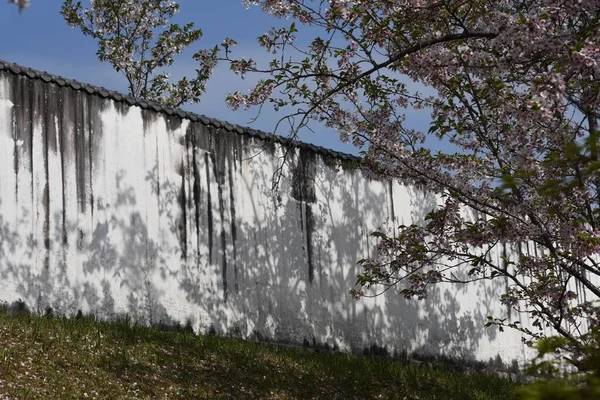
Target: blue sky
39, 38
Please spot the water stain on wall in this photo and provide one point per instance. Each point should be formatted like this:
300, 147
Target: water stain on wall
222, 153
303, 191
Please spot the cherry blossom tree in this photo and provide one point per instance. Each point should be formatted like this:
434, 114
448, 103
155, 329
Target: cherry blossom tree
515, 94
138, 39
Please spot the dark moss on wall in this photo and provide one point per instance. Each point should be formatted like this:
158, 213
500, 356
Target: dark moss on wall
303, 178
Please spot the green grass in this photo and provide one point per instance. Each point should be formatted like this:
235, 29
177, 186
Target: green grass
59, 358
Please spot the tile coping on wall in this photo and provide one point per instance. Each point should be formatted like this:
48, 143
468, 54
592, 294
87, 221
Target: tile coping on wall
150, 105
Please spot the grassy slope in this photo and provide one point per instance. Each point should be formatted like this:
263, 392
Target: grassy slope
54, 358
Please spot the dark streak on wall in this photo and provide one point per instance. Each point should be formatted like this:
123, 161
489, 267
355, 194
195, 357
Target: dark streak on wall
70, 130
67, 145
310, 227
51, 110
238, 145
219, 154
17, 124
204, 140
173, 123
222, 150
80, 153
148, 118
223, 233
121, 107
37, 109
15, 153
33, 109
233, 223
49, 141
78, 137
300, 207
303, 178
196, 186
182, 223
209, 209
43, 109
95, 105
64, 117
202, 137
22, 126
91, 111
303, 190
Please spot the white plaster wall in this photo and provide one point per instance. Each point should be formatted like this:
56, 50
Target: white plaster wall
113, 210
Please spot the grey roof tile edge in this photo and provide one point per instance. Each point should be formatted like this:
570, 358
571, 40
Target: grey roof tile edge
30, 73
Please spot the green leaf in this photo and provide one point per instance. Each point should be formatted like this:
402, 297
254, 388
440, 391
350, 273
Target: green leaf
572, 151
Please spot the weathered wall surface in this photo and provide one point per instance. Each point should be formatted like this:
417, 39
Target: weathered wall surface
112, 208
